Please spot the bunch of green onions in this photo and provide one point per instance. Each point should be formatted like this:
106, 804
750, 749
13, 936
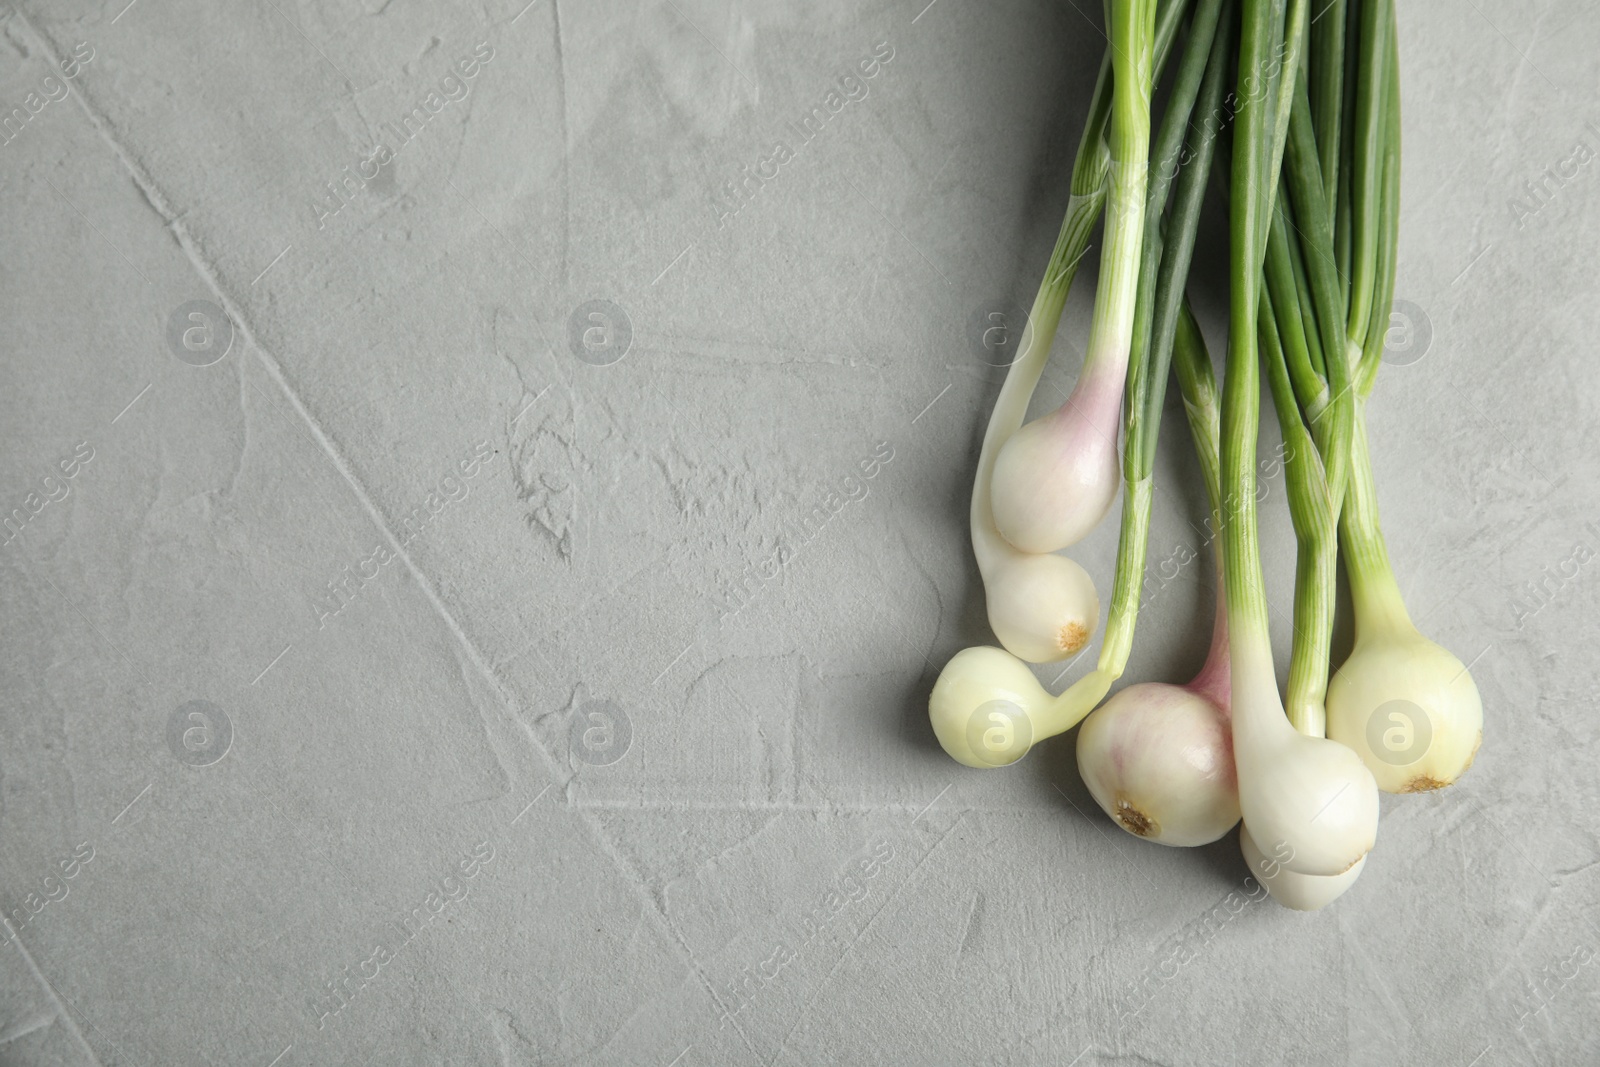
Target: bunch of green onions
1305, 150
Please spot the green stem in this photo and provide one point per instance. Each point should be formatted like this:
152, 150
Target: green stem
1372, 80
1283, 287
1303, 176
1373, 589
1291, 46
1083, 211
1252, 185
1143, 380
1163, 272
1198, 384
1326, 72
1316, 558
1111, 330
1308, 311
1342, 202
1131, 548
1388, 235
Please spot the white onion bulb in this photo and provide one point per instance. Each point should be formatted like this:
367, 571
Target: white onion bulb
1408, 708
1042, 608
1056, 477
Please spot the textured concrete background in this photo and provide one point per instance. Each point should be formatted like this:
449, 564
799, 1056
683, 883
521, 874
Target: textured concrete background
376, 687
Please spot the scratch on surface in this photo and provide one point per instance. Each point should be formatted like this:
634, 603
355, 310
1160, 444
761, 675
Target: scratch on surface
26, 1027
207, 274
507, 1024
50, 991
244, 444
1563, 874
461, 142
971, 926
656, 906
1370, 976
1524, 61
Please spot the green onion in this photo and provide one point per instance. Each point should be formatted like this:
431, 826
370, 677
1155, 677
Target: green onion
1311, 798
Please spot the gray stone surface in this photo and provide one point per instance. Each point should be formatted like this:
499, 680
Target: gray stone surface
532, 781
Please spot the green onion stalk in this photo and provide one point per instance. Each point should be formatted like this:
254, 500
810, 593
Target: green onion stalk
1055, 479
1408, 706
1299, 323
1305, 799
1163, 269
1043, 607
1316, 531
1158, 758
987, 708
